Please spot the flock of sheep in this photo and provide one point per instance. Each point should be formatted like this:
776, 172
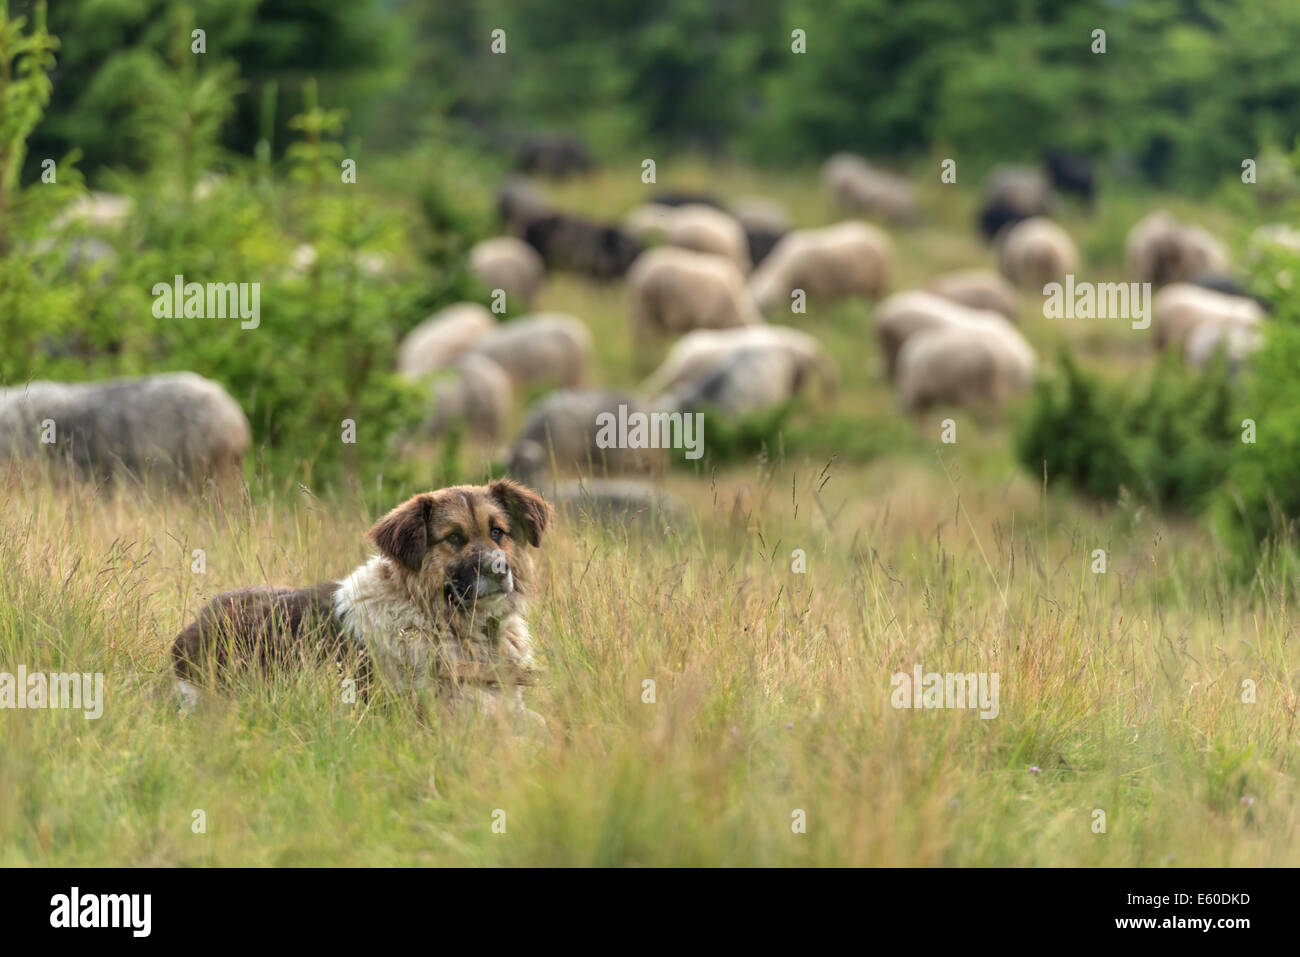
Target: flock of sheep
707, 275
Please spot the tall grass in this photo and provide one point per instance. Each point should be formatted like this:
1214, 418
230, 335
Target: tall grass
1120, 692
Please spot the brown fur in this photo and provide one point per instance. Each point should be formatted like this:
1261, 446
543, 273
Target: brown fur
454, 576
268, 627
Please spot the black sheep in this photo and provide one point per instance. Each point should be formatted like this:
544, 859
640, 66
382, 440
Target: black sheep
595, 249
1070, 173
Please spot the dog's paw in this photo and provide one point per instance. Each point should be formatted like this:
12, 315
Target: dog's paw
529, 724
187, 696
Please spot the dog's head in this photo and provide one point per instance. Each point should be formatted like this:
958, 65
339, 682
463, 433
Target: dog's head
463, 551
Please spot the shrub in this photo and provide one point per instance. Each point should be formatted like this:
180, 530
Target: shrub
1169, 445
1072, 434
1184, 434
324, 350
791, 430
1260, 504
37, 303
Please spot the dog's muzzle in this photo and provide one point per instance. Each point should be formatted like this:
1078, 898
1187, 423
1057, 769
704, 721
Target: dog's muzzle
472, 582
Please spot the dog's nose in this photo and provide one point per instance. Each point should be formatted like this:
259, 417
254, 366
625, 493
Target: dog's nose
494, 574
494, 564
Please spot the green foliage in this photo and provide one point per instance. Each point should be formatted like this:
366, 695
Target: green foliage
1072, 434
36, 305
1260, 504
324, 349
731, 439
1170, 445
26, 59
452, 191
177, 124
988, 113
1184, 434
112, 50
1200, 84
326, 345
790, 430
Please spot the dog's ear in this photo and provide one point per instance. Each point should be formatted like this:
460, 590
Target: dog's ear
403, 534
529, 512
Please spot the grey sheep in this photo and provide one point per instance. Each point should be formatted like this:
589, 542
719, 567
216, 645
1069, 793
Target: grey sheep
178, 427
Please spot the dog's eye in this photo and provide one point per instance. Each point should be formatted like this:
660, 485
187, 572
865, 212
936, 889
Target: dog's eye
496, 533
455, 539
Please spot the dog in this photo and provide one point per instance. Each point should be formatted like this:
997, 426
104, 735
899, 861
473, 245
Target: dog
440, 608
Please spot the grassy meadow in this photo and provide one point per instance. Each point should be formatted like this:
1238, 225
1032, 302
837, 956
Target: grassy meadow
1120, 692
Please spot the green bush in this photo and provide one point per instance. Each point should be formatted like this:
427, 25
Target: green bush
1170, 445
324, 350
1260, 503
1071, 434
791, 430
1183, 433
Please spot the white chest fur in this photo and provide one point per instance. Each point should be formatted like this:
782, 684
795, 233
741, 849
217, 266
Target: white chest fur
412, 649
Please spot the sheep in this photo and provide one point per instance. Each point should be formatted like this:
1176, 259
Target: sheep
557, 156
740, 371
908, 314
1230, 286
1023, 186
763, 226
904, 314
509, 264
688, 198
179, 427
1012, 194
598, 250
847, 259
545, 347
747, 380
649, 221
761, 242
97, 210
708, 230
519, 203
1236, 341
1180, 308
1160, 250
473, 390
950, 366
1274, 236
758, 212
979, 289
1220, 282
839, 168
613, 500
1037, 251
561, 433
675, 290
443, 337
695, 356
858, 187
765, 222
1070, 173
